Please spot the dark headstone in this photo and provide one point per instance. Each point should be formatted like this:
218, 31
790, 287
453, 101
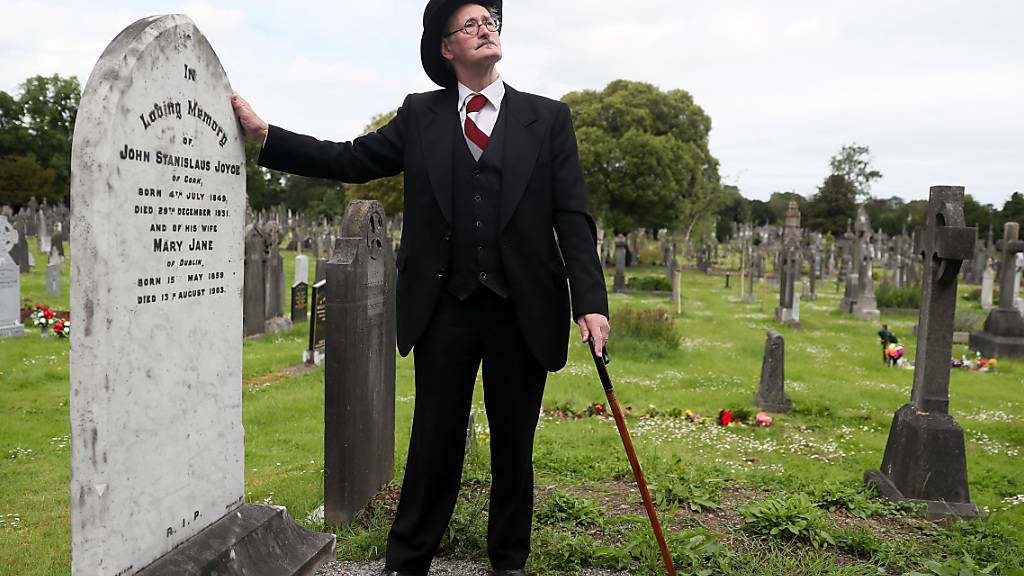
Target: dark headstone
317, 347
925, 457
359, 439
20, 253
300, 302
1003, 336
254, 291
620, 264
771, 395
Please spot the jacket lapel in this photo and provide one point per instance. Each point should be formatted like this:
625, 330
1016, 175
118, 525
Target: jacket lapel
437, 129
522, 144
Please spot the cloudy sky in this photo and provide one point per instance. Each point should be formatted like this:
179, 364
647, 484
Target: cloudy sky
934, 87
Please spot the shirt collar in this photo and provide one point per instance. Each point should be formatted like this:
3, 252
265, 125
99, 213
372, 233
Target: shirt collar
494, 93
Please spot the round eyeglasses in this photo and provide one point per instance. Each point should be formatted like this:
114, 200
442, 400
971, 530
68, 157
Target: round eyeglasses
471, 27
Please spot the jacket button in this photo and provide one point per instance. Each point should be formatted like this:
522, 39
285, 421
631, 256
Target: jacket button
441, 272
477, 197
479, 248
479, 224
483, 275
447, 235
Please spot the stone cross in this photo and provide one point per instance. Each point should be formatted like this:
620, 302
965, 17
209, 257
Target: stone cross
1003, 335
925, 456
1010, 246
10, 283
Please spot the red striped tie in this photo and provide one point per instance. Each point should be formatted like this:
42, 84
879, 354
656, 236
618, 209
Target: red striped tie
475, 135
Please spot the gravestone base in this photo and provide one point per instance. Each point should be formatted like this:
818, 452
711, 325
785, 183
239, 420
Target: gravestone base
252, 541
12, 331
277, 325
925, 462
995, 346
870, 314
788, 316
775, 405
313, 357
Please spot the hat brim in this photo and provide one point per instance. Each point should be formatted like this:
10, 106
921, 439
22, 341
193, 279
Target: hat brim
435, 17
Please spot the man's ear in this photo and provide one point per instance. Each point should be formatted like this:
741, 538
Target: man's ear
446, 52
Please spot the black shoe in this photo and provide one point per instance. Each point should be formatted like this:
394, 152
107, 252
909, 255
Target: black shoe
516, 572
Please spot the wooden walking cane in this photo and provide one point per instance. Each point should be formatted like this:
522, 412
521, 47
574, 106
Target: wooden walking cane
620, 423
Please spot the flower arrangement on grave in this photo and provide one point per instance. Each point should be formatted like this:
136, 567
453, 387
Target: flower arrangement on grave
62, 328
43, 317
978, 364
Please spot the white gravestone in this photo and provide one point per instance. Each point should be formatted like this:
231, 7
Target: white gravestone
10, 283
301, 269
156, 392
987, 287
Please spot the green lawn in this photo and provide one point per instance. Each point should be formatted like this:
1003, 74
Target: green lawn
588, 512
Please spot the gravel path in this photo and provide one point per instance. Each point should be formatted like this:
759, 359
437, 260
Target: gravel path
440, 567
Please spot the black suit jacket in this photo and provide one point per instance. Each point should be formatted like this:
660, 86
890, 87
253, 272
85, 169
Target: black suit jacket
542, 190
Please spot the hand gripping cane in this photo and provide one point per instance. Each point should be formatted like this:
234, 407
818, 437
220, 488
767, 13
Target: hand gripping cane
620, 423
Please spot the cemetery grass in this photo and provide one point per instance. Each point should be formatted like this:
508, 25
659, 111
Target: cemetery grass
804, 474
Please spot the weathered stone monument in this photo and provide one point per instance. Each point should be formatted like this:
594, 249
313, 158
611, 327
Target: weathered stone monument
1019, 302
865, 307
788, 311
771, 395
20, 253
53, 274
157, 454
254, 293
925, 458
359, 396
10, 283
988, 278
1003, 336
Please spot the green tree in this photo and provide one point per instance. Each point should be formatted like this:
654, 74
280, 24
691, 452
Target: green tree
313, 195
21, 178
645, 156
732, 207
853, 162
1013, 210
832, 207
389, 191
38, 124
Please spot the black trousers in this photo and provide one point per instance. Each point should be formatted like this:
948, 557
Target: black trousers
462, 334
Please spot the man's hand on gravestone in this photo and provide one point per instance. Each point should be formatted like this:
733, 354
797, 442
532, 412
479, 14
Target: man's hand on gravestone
253, 126
596, 324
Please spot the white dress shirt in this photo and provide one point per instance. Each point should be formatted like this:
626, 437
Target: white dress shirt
487, 116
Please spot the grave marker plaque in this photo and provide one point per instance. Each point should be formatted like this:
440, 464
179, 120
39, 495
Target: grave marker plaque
157, 455
314, 354
300, 302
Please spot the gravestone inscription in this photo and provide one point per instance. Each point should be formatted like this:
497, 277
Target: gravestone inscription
314, 353
157, 453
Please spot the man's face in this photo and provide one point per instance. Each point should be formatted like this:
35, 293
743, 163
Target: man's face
465, 51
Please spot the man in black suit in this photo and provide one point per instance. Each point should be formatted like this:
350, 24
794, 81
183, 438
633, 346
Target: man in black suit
489, 173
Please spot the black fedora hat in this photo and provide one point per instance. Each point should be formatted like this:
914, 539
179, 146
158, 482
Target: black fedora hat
435, 16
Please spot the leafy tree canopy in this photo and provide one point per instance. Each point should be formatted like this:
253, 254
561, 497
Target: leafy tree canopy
853, 163
645, 156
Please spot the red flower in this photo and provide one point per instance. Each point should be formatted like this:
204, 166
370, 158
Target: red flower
725, 417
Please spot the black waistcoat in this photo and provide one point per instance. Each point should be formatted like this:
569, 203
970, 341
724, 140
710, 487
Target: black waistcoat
475, 257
